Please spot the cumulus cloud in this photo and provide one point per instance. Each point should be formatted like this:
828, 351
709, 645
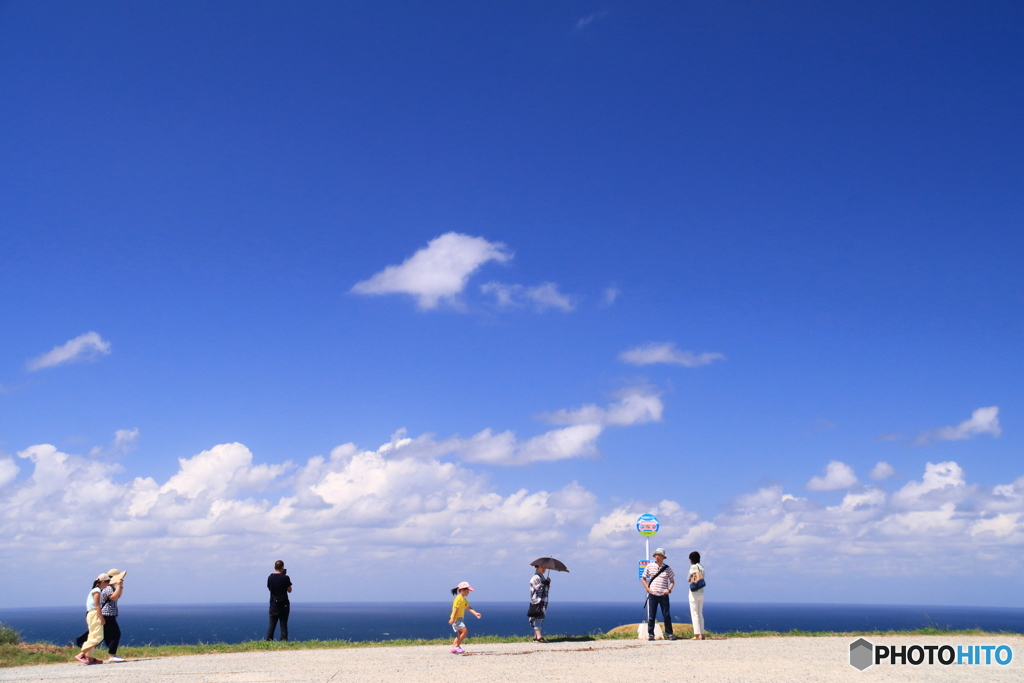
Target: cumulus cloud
542, 297
838, 475
882, 470
83, 347
438, 272
379, 498
223, 509
8, 471
983, 421
617, 529
665, 352
939, 482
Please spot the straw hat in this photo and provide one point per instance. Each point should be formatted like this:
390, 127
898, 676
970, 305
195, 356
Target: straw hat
116, 575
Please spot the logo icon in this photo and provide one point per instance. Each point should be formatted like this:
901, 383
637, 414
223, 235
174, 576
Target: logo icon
861, 654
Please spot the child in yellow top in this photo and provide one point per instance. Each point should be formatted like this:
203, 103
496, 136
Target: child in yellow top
459, 606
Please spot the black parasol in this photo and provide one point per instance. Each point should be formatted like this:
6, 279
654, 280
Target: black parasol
549, 563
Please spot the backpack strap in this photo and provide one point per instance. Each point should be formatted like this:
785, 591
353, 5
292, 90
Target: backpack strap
663, 568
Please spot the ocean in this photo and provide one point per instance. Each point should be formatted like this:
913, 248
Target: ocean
191, 624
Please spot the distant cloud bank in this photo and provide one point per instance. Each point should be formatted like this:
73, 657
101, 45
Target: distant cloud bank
402, 500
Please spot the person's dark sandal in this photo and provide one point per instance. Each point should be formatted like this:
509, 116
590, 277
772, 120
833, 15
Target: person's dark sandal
670, 637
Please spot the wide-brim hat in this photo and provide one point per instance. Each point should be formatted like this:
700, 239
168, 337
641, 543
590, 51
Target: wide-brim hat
660, 551
116, 575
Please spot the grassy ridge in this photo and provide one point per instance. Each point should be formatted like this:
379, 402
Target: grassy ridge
26, 654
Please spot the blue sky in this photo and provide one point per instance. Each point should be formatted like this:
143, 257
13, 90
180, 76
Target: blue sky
643, 256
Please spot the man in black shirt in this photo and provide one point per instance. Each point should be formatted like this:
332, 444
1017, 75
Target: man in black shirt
279, 586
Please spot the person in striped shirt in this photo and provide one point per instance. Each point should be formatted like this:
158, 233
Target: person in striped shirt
659, 580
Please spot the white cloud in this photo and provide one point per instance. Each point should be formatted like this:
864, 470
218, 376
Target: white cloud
1003, 525
503, 449
82, 347
617, 528
8, 471
542, 297
637, 405
400, 505
882, 470
610, 295
658, 352
224, 469
861, 500
125, 441
838, 475
939, 481
217, 503
983, 421
437, 272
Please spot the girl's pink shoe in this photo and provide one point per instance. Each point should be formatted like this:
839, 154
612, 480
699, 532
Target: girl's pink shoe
457, 650
82, 658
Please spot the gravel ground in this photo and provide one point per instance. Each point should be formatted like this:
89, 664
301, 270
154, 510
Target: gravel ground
747, 660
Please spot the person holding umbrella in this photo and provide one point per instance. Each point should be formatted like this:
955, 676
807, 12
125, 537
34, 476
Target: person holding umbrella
538, 603
539, 585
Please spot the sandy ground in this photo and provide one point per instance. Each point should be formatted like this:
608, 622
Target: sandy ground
748, 660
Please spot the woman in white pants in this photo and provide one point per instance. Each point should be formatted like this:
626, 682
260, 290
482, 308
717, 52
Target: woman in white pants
696, 597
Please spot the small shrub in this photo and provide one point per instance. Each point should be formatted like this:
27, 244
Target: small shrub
8, 636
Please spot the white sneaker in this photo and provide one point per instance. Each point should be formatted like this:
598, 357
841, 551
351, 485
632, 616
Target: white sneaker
114, 659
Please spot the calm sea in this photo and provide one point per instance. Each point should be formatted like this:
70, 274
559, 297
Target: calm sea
166, 624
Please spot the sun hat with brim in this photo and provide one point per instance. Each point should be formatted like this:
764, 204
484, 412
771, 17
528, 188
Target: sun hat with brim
660, 551
464, 585
116, 575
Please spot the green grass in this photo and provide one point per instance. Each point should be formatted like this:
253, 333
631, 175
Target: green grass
26, 654
8, 636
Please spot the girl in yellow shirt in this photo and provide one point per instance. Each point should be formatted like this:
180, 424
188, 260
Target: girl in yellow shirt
457, 619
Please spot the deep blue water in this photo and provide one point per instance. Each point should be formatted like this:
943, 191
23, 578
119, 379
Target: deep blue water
168, 624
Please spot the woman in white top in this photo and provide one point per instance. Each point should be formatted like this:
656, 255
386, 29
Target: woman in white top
696, 596
94, 618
